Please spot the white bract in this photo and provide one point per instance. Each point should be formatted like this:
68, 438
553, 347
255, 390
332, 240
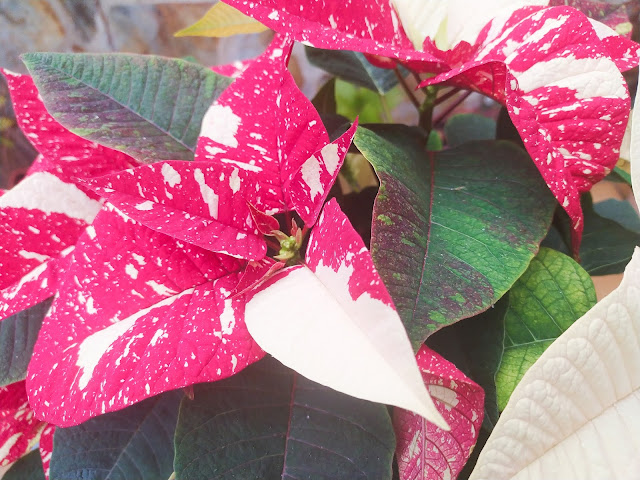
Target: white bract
448, 22
574, 415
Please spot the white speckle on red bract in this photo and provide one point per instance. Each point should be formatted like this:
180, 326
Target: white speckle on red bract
342, 330
20, 430
563, 91
275, 159
425, 451
112, 339
48, 210
557, 72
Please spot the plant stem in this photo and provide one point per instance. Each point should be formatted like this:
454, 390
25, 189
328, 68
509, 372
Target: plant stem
426, 109
451, 108
407, 89
417, 77
446, 96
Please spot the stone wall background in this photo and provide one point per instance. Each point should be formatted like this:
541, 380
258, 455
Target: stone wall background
136, 26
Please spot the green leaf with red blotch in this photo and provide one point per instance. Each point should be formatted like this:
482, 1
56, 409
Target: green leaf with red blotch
18, 335
452, 230
269, 422
149, 107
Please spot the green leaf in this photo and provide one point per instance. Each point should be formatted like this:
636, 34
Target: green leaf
353, 101
506, 130
434, 142
452, 230
468, 127
18, 335
353, 67
552, 294
325, 99
475, 346
606, 246
28, 467
134, 443
269, 423
147, 106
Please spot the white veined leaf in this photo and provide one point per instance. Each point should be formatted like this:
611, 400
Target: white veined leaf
574, 414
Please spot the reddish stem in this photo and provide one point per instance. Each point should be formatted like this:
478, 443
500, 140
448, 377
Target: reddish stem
446, 96
407, 89
451, 108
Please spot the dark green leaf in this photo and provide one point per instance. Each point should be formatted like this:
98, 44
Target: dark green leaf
556, 241
483, 436
149, 107
452, 230
354, 68
334, 124
475, 345
269, 423
28, 467
325, 99
552, 294
18, 335
619, 211
467, 127
606, 245
134, 443
506, 130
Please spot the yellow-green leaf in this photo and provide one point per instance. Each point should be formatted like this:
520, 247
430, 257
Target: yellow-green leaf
222, 20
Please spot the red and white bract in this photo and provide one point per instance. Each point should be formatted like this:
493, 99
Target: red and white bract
46, 212
19, 428
425, 451
362, 25
556, 70
137, 313
200, 203
46, 448
564, 94
246, 159
39, 219
333, 321
66, 155
280, 139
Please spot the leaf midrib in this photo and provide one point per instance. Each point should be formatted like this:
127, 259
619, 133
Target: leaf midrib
428, 243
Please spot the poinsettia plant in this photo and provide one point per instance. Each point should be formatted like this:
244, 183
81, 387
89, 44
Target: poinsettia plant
199, 281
